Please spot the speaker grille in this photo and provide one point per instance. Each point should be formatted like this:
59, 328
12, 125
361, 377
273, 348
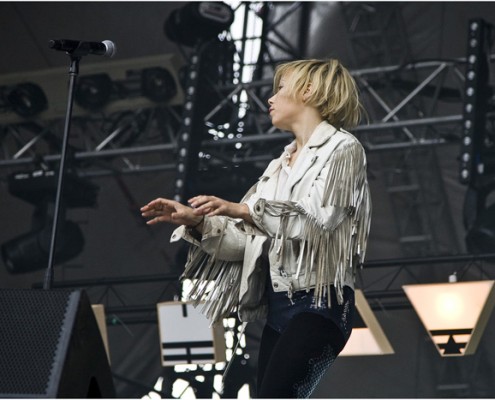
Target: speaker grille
31, 326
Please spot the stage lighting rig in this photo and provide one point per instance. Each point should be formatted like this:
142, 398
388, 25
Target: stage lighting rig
109, 87
197, 22
476, 156
93, 91
25, 99
29, 252
37, 185
158, 84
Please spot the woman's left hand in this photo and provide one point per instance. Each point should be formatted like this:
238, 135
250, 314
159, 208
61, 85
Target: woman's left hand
211, 206
165, 210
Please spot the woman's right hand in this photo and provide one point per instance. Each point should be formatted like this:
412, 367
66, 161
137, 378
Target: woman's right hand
165, 210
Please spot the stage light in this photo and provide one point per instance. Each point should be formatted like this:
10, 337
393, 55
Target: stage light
198, 21
29, 252
455, 314
158, 84
185, 144
476, 94
367, 337
93, 92
38, 185
27, 99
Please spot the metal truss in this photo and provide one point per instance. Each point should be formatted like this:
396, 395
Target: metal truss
411, 91
376, 34
154, 129
413, 179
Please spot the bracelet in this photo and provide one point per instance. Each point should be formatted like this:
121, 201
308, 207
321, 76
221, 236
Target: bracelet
199, 223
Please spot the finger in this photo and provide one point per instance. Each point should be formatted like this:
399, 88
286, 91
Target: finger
202, 210
157, 220
206, 208
196, 198
150, 213
151, 204
147, 211
154, 221
146, 207
200, 200
216, 211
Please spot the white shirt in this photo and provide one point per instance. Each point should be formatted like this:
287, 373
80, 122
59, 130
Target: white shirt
285, 171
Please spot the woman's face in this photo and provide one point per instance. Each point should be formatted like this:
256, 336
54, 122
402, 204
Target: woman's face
284, 109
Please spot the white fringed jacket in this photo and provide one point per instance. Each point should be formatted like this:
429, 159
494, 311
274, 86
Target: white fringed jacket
319, 233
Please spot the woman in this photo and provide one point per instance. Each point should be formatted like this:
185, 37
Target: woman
288, 251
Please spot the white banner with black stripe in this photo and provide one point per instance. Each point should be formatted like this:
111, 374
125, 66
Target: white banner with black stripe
186, 336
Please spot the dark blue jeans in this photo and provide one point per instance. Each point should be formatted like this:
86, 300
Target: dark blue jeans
291, 363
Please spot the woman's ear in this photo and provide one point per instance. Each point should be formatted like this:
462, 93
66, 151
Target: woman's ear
307, 92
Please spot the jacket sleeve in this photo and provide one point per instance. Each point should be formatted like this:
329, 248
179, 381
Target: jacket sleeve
220, 239
214, 257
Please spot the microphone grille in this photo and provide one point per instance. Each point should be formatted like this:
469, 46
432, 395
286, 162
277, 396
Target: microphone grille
111, 49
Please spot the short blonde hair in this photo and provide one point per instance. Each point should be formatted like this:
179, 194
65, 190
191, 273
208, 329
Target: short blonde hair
334, 92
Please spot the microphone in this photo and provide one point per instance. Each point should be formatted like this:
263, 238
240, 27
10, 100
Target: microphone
79, 48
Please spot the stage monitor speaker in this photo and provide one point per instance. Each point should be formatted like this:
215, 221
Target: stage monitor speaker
51, 346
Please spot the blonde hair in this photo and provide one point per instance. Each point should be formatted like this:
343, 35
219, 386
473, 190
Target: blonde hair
333, 92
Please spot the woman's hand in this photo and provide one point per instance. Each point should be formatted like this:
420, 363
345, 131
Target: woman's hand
211, 206
164, 210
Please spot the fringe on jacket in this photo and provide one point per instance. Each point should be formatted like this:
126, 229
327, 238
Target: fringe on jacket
329, 252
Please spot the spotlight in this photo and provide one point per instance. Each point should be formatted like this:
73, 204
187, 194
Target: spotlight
158, 84
198, 21
93, 92
38, 185
476, 95
29, 252
27, 99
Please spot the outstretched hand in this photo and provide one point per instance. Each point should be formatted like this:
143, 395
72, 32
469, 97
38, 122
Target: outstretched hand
165, 210
211, 206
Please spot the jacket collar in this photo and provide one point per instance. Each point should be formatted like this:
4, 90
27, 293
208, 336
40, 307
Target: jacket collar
322, 134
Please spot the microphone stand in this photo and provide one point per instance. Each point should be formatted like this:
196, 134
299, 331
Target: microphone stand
73, 72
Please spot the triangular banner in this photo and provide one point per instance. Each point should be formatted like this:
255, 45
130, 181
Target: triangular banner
367, 338
454, 314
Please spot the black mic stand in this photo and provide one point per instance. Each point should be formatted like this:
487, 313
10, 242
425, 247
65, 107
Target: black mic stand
73, 72
70, 358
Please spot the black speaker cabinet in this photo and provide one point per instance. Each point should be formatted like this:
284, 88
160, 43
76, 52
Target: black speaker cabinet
50, 346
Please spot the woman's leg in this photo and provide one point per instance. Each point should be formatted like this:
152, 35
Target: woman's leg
269, 339
292, 363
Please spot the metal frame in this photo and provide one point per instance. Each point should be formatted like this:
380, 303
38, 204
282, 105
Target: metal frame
25, 143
